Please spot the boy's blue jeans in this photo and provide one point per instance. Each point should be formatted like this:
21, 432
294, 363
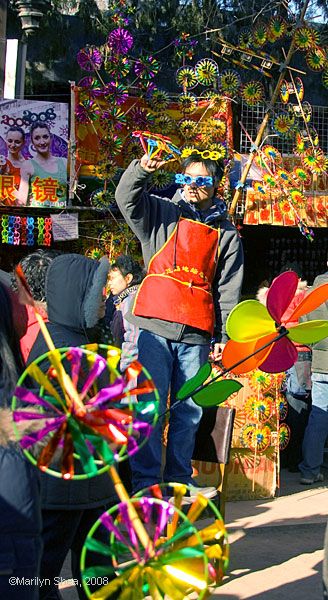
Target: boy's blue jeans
170, 364
317, 428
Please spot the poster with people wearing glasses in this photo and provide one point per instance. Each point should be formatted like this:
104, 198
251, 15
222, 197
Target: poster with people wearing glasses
33, 153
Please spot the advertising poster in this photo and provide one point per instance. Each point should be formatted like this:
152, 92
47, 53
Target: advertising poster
33, 153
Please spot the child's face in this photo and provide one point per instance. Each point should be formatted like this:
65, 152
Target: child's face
14, 141
117, 282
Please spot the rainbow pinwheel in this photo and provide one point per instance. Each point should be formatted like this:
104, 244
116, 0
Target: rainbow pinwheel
100, 422
258, 335
179, 560
258, 409
206, 71
186, 77
155, 144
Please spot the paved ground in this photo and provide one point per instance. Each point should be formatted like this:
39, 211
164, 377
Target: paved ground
276, 545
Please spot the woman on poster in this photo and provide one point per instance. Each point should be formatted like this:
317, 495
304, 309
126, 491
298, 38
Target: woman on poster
10, 167
44, 177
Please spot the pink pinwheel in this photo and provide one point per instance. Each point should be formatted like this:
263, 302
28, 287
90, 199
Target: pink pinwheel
120, 40
260, 337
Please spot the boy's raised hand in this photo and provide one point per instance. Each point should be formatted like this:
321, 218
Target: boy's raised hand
151, 164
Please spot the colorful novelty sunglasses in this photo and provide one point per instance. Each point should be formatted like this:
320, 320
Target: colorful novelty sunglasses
198, 181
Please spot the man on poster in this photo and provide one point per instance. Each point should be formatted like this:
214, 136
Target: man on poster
194, 259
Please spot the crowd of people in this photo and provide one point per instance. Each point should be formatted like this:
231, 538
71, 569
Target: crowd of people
170, 314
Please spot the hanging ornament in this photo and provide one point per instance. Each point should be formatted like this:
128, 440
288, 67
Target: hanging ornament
252, 93
206, 71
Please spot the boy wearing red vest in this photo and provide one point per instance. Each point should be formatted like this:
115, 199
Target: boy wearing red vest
194, 261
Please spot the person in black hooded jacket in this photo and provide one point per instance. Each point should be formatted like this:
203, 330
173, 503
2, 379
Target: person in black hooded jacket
20, 507
75, 303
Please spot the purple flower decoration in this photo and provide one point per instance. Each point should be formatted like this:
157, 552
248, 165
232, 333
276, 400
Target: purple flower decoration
120, 40
89, 59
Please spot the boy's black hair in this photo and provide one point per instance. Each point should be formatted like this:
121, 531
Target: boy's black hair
214, 168
35, 267
126, 264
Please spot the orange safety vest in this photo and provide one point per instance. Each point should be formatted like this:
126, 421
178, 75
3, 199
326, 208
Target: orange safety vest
178, 284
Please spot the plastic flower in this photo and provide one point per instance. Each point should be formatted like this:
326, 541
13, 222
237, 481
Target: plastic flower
120, 40
186, 77
252, 92
251, 325
206, 71
230, 82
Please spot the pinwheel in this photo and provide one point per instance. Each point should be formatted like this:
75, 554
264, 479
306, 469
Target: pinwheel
186, 77
187, 103
140, 117
272, 154
297, 197
101, 198
282, 407
113, 119
94, 253
230, 82
155, 144
299, 88
217, 101
159, 100
77, 414
303, 112
187, 128
105, 169
120, 40
89, 58
252, 92
276, 28
260, 380
260, 438
305, 38
213, 130
302, 177
146, 67
220, 151
245, 38
315, 160
259, 188
112, 144
284, 177
117, 66
283, 435
307, 138
316, 58
185, 47
116, 93
164, 123
269, 181
206, 71
161, 180
283, 124
174, 564
260, 34
285, 206
258, 409
325, 78
258, 335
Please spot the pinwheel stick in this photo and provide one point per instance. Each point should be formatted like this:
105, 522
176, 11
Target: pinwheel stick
135, 521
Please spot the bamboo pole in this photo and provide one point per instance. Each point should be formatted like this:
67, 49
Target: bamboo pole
266, 117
